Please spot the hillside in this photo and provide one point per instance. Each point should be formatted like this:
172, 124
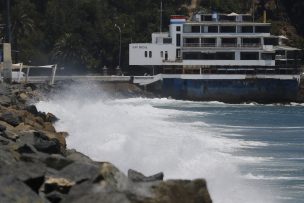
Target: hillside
81, 34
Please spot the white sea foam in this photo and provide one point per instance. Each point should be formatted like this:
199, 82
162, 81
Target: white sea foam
133, 134
262, 177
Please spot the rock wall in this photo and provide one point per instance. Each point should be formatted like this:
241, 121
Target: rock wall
36, 166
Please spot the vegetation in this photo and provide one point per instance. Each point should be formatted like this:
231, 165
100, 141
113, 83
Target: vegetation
80, 34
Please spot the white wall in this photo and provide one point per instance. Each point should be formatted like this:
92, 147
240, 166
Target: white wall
137, 54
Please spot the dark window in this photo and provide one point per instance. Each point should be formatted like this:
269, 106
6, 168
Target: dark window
206, 17
247, 29
161, 54
191, 42
262, 29
150, 54
202, 29
227, 18
166, 55
213, 29
167, 40
247, 18
268, 56
146, 54
251, 42
178, 28
271, 41
249, 56
228, 29
209, 42
178, 53
229, 42
225, 55
208, 56
195, 29
178, 40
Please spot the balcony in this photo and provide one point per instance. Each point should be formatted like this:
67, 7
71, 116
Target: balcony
225, 45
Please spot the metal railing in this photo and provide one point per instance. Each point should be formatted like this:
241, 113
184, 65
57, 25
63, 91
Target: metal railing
223, 45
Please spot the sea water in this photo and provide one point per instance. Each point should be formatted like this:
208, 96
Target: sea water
248, 153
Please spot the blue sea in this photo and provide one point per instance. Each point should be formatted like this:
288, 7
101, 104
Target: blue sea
248, 153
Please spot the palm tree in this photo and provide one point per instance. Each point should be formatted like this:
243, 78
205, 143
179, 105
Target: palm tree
69, 49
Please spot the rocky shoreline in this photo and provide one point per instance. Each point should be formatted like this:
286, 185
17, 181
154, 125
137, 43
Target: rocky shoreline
36, 166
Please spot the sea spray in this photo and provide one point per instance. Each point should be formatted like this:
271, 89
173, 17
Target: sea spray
140, 134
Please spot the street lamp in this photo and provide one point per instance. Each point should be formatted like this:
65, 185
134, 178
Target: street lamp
119, 60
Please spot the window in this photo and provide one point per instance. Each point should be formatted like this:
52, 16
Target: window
166, 55
249, 55
271, 41
178, 40
195, 29
162, 54
262, 29
213, 29
150, 54
247, 29
178, 53
146, 54
167, 40
228, 29
208, 42
225, 55
268, 56
229, 42
178, 28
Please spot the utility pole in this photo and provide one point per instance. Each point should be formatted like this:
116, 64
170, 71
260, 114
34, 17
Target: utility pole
119, 59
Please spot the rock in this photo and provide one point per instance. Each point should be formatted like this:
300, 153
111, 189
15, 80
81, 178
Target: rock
2, 128
58, 136
23, 97
180, 191
6, 125
10, 118
61, 185
87, 192
47, 126
5, 100
57, 161
78, 157
10, 135
139, 177
32, 109
55, 197
23, 127
79, 172
13, 190
44, 144
51, 118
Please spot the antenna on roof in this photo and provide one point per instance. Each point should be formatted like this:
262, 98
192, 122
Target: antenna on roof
161, 16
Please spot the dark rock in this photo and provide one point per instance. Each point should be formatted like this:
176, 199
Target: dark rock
2, 128
78, 157
10, 118
4, 141
32, 109
87, 192
13, 190
43, 144
25, 149
139, 177
79, 172
55, 197
57, 162
31, 85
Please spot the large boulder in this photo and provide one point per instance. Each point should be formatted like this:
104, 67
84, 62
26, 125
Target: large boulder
14, 190
10, 118
136, 176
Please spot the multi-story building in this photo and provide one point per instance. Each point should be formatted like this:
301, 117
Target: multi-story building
212, 48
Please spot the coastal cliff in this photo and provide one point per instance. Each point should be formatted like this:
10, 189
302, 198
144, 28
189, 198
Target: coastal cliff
36, 166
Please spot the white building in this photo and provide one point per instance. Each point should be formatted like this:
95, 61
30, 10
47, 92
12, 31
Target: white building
212, 40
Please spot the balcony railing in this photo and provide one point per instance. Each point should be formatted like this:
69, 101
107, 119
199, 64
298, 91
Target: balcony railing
223, 45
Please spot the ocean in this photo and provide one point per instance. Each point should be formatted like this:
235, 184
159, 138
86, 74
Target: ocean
248, 153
